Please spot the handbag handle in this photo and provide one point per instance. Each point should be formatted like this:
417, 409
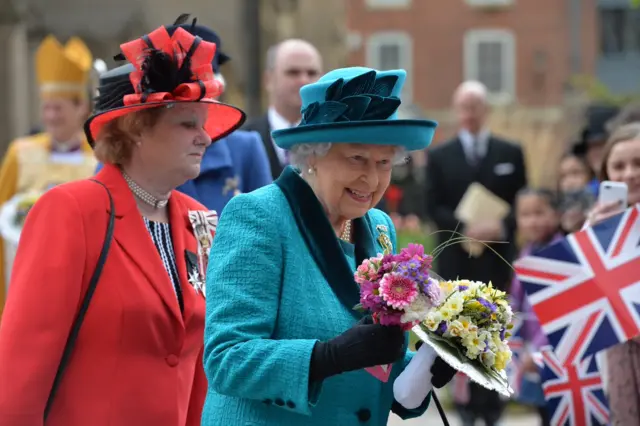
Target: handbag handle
75, 329
443, 416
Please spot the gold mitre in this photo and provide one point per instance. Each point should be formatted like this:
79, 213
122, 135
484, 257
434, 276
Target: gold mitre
63, 71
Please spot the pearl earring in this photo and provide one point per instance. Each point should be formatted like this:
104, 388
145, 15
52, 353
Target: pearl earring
310, 171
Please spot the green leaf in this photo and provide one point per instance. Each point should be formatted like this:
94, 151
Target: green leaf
359, 308
635, 3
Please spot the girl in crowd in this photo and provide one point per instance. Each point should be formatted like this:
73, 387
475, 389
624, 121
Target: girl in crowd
538, 223
574, 173
576, 197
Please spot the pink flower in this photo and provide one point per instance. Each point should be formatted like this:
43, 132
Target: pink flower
389, 318
368, 270
412, 251
398, 291
388, 262
370, 296
416, 252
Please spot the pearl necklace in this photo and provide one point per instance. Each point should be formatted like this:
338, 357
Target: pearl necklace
346, 232
144, 195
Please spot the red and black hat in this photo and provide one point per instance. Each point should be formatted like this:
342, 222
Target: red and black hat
166, 69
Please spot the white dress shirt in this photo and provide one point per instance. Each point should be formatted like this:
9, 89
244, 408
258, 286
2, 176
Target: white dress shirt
278, 122
474, 146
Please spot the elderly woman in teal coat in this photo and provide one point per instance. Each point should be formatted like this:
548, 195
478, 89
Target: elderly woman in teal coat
283, 344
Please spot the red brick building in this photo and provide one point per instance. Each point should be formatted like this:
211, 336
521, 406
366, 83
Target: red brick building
525, 51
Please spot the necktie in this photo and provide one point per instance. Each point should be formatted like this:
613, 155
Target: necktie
475, 153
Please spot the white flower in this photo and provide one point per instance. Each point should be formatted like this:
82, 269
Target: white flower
417, 310
447, 288
433, 320
455, 303
508, 313
446, 313
488, 358
474, 343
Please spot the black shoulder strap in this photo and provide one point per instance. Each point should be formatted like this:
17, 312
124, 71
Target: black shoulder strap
75, 329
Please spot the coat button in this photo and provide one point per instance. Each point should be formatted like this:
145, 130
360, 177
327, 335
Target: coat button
363, 415
172, 360
279, 402
291, 404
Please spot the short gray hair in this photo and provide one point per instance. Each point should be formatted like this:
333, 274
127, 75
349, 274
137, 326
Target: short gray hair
473, 87
299, 154
272, 52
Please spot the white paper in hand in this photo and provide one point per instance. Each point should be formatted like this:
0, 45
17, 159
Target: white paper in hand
413, 385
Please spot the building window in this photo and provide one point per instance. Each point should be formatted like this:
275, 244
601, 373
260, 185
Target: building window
619, 31
389, 51
489, 57
388, 4
489, 3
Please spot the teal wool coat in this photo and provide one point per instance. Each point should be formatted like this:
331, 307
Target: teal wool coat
278, 281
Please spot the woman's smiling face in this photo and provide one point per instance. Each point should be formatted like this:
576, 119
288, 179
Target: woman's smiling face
352, 178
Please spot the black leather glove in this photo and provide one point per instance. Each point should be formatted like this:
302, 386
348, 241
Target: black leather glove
441, 372
363, 345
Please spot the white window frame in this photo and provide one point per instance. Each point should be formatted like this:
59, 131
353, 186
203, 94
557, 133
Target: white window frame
490, 3
472, 39
388, 4
405, 42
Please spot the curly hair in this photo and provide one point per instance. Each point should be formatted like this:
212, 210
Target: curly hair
115, 142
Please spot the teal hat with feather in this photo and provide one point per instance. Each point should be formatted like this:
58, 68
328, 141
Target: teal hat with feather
356, 105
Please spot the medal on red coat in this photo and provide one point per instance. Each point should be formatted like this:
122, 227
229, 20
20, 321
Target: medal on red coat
204, 225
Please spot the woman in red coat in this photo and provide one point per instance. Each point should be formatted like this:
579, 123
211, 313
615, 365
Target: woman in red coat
137, 359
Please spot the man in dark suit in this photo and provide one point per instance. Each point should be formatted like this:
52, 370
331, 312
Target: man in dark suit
290, 65
474, 155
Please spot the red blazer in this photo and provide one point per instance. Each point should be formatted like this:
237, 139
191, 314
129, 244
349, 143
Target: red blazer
138, 359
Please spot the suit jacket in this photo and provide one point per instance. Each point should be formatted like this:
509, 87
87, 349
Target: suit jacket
262, 126
138, 358
448, 175
233, 165
282, 282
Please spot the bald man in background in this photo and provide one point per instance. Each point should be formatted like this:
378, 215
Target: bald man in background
290, 65
474, 155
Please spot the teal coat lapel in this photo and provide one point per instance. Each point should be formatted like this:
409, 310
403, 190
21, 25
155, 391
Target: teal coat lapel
321, 240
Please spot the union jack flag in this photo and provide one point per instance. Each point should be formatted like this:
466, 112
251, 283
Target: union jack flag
589, 280
573, 390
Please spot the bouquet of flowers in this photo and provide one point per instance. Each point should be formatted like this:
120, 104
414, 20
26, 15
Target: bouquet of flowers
465, 322
12, 216
469, 330
23, 205
397, 289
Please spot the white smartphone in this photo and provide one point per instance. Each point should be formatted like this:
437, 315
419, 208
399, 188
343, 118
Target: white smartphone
613, 192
